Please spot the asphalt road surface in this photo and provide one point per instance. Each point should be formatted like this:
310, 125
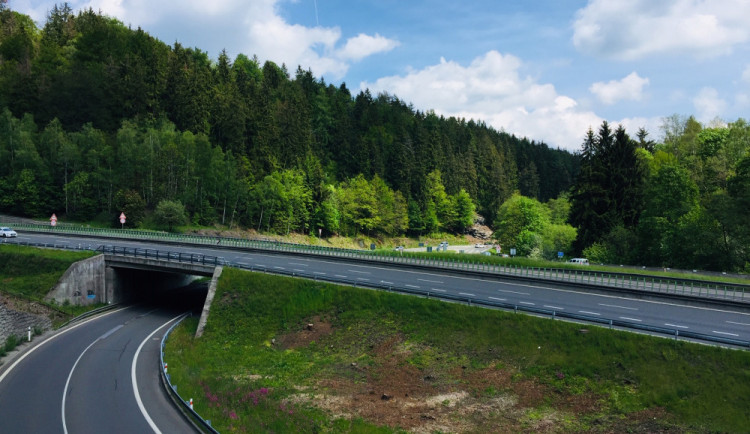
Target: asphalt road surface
725, 322
99, 376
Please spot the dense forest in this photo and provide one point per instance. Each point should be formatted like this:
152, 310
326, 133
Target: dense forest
98, 115
97, 118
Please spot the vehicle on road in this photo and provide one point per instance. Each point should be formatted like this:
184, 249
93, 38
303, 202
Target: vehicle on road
7, 232
579, 261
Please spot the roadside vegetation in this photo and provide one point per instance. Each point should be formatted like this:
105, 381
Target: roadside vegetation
27, 275
282, 355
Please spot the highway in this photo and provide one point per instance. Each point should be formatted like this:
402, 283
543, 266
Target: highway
100, 375
726, 322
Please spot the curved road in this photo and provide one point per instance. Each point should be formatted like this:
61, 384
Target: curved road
725, 322
97, 376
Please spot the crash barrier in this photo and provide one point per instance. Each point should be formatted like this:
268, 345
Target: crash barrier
733, 292
185, 405
214, 260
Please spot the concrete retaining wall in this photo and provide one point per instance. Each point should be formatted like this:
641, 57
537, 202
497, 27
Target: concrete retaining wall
82, 284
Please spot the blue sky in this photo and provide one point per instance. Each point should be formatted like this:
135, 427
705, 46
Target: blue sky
544, 69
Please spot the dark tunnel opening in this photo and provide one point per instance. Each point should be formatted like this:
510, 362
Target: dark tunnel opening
173, 291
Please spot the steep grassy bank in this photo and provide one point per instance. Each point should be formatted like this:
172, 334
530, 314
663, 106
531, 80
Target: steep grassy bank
27, 274
283, 354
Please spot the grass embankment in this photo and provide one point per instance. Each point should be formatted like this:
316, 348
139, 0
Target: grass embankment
30, 273
381, 362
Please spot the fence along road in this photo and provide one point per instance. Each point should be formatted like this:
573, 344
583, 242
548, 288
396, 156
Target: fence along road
701, 289
474, 284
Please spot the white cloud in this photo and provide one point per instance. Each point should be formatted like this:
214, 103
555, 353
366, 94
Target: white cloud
708, 104
629, 88
363, 45
746, 74
490, 89
633, 29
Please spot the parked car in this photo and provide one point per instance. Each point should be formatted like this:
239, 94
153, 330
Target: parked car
8, 232
399, 248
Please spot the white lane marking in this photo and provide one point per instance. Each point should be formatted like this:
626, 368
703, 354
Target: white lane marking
412, 286
553, 307
260, 265
513, 292
528, 303
466, 293
298, 270
28, 353
67, 383
387, 283
279, 268
359, 272
298, 264
244, 264
429, 281
725, 333
495, 298
675, 325
135, 381
319, 272
363, 278
547, 288
589, 313
619, 307
630, 319
738, 323
438, 290
339, 275
109, 333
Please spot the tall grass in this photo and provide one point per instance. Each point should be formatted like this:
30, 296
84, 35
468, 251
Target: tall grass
702, 387
30, 273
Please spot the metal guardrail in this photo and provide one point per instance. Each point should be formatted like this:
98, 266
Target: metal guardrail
213, 260
193, 258
172, 389
676, 333
733, 292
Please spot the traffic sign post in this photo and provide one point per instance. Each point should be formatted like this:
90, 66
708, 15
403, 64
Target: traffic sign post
53, 220
122, 220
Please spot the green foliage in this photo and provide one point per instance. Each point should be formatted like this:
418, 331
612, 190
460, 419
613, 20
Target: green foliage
170, 213
170, 124
610, 188
130, 203
520, 215
628, 373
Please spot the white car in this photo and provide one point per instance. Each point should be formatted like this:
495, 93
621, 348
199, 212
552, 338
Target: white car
8, 232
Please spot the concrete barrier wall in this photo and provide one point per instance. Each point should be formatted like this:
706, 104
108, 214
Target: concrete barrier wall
82, 284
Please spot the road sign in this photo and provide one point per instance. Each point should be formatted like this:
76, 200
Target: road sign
512, 252
53, 220
122, 218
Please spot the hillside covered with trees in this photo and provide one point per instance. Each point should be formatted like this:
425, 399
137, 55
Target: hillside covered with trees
98, 118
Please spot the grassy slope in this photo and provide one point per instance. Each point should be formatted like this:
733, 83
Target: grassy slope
243, 382
30, 272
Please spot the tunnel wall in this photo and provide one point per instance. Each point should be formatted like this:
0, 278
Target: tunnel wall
81, 284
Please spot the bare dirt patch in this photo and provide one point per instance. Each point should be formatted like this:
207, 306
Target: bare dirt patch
22, 305
310, 331
392, 391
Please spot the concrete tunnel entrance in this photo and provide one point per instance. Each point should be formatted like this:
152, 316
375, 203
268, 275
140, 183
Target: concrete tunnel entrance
111, 279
